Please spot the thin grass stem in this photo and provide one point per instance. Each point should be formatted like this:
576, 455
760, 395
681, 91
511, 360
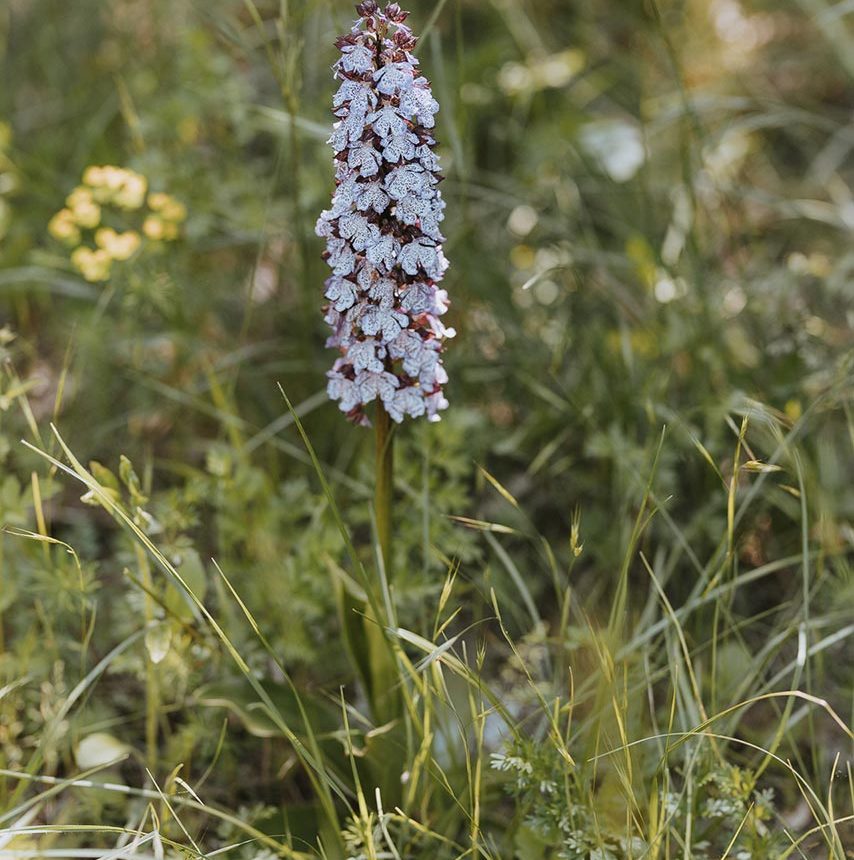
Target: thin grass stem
384, 483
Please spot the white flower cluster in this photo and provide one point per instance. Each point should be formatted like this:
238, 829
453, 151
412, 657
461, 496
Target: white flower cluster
383, 241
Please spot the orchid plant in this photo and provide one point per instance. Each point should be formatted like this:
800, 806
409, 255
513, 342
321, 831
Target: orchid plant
384, 245
383, 242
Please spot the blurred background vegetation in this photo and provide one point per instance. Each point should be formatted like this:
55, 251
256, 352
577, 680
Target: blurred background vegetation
649, 223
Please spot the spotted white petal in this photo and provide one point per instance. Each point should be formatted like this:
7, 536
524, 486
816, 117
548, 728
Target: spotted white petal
325, 224
364, 355
418, 298
422, 254
346, 390
357, 58
429, 160
367, 277
387, 121
357, 95
340, 137
341, 292
425, 211
370, 195
358, 230
399, 146
435, 403
345, 195
343, 170
411, 208
371, 385
365, 158
354, 315
418, 103
430, 227
395, 78
341, 256
429, 372
407, 179
406, 401
382, 292
408, 345
384, 322
352, 126
383, 253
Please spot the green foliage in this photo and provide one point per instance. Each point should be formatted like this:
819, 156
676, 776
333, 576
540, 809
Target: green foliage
620, 618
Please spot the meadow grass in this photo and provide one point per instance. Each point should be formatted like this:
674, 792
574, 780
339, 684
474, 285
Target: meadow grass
620, 619
651, 735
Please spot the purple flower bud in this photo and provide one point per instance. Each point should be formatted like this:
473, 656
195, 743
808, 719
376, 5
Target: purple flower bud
383, 241
395, 14
367, 8
404, 41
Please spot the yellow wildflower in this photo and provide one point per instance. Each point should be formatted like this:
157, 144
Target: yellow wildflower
157, 200
120, 246
167, 206
94, 265
112, 177
62, 227
80, 196
131, 194
105, 181
111, 184
93, 176
153, 227
85, 211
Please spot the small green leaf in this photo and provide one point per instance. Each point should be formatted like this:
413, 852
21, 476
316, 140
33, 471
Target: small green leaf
157, 640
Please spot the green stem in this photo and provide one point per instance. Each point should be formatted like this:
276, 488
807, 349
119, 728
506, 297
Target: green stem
364, 624
385, 477
386, 698
2, 633
152, 681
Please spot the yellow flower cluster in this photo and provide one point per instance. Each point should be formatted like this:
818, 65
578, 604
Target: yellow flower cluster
120, 246
93, 265
168, 213
116, 185
127, 191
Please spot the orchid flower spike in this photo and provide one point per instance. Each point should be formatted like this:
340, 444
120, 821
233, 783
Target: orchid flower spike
383, 242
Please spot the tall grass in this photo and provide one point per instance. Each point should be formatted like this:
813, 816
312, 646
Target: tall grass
676, 729
620, 620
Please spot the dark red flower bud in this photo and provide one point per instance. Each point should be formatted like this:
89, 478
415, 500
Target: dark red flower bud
368, 7
404, 40
394, 13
